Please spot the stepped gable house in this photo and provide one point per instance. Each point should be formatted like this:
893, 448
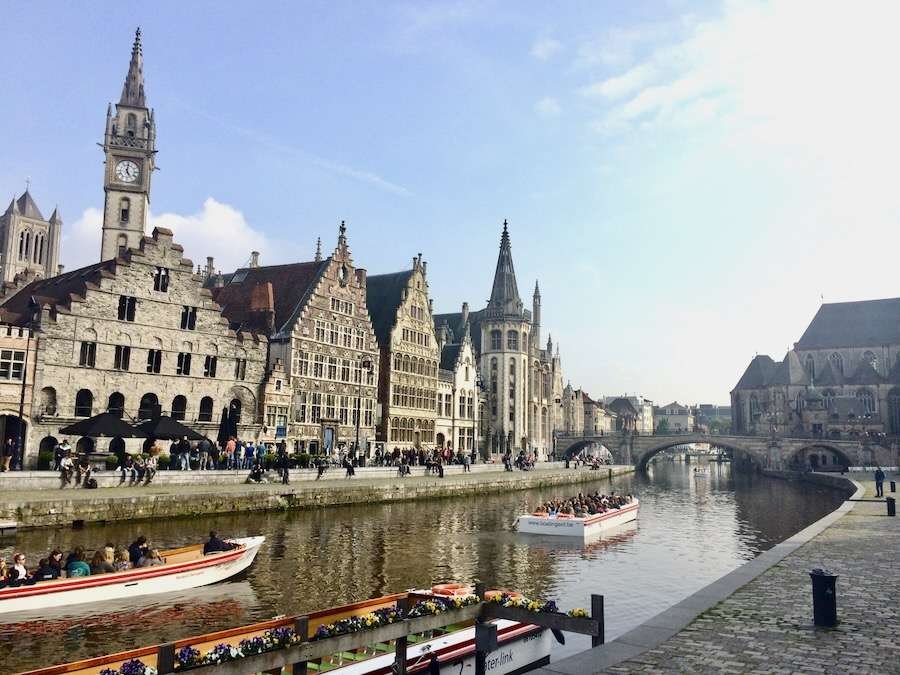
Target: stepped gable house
317, 319
132, 333
841, 379
409, 356
460, 402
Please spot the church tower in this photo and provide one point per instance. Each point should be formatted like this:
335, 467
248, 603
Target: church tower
130, 148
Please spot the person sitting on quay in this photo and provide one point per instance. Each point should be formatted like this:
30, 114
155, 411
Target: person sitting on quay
150, 559
127, 470
66, 470
256, 473
215, 545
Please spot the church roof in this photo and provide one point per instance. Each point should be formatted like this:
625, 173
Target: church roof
53, 291
26, 206
449, 356
384, 294
829, 377
854, 324
505, 300
865, 374
133, 88
290, 285
758, 374
789, 371
622, 406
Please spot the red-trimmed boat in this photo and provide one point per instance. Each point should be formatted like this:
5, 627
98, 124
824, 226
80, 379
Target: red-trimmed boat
184, 568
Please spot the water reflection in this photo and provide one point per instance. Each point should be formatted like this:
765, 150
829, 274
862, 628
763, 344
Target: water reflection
690, 532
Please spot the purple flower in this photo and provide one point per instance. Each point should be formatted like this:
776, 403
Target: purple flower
133, 667
187, 657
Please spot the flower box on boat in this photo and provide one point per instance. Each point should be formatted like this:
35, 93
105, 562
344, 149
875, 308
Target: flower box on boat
184, 568
570, 526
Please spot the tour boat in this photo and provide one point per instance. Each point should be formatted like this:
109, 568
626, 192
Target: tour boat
449, 649
701, 472
571, 526
184, 568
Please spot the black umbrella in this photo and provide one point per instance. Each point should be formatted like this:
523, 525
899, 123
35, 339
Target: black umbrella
169, 429
104, 425
224, 426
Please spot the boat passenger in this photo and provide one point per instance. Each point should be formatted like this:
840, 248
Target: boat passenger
79, 566
214, 545
76, 553
4, 573
137, 549
151, 559
18, 572
121, 562
99, 563
45, 571
55, 560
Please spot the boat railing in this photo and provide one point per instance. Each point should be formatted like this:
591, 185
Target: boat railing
307, 649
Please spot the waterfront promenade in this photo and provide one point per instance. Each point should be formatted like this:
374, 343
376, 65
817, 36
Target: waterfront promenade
758, 619
39, 507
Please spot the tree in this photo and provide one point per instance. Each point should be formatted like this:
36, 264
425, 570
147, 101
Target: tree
663, 426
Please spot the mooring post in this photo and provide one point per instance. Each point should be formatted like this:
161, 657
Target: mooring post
301, 628
597, 615
165, 658
891, 506
485, 642
400, 643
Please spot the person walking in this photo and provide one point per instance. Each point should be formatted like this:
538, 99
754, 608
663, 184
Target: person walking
205, 448
879, 482
284, 464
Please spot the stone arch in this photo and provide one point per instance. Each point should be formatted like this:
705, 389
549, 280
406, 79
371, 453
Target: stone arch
645, 456
179, 407
85, 444
48, 401
800, 454
247, 403
206, 409
84, 403
148, 405
115, 404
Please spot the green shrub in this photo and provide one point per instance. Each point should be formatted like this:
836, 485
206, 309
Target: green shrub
302, 460
163, 461
111, 462
45, 460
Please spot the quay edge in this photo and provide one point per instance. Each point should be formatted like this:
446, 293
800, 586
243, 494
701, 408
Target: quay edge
56, 509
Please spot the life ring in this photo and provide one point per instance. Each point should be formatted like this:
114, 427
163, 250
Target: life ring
490, 595
564, 515
450, 589
537, 514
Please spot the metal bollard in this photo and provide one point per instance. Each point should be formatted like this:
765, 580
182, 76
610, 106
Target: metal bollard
893, 486
892, 506
824, 598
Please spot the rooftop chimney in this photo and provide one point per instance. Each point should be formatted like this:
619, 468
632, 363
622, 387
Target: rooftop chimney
254, 258
210, 269
60, 268
465, 312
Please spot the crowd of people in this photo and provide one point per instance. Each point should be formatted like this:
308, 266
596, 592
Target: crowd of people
583, 505
104, 560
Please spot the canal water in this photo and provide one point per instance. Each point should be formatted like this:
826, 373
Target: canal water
690, 532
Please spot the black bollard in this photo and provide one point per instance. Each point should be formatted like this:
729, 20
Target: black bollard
893, 486
892, 506
824, 598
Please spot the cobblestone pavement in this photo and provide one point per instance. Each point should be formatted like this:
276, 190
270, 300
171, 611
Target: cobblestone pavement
766, 626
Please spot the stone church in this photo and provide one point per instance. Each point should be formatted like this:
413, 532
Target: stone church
840, 380
522, 379
30, 243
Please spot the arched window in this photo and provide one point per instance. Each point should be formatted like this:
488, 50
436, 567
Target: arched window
871, 359
828, 397
837, 363
121, 244
406, 363
116, 404
398, 362
894, 410
811, 366
234, 410
754, 406
512, 340
21, 246
179, 407
148, 406
130, 125
27, 244
124, 210
48, 401
867, 399
496, 340
206, 409
84, 403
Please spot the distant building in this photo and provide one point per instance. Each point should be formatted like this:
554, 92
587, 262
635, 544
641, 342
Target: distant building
598, 419
674, 417
30, 244
460, 405
842, 378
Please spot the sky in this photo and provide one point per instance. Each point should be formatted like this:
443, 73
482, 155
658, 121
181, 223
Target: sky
688, 181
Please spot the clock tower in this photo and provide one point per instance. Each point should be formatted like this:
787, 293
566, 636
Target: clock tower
130, 148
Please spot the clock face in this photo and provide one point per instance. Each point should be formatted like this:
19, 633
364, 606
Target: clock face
127, 171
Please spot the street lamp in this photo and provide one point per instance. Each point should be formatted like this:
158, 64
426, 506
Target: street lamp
364, 364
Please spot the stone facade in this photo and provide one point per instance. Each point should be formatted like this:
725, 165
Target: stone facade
841, 379
460, 405
30, 243
573, 411
129, 146
131, 333
17, 359
318, 320
598, 419
409, 356
674, 418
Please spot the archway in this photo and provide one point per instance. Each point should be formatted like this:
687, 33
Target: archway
117, 446
85, 444
439, 440
84, 403
116, 404
149, 404
179, 407
737, 453
821, 457
13, 432
45, 452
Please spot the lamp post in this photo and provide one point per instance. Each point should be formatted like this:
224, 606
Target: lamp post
364, 364
477, 389
33, 308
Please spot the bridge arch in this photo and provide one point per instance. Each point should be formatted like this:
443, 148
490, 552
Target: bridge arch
643, 457
814, 454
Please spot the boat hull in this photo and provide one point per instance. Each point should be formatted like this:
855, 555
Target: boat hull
579, 527
131, 583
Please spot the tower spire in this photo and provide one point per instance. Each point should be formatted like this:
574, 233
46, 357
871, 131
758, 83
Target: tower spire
133, 89
319, 249
505, 292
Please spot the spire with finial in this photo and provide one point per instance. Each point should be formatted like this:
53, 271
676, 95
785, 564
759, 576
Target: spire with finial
505, 299
133, 89
318, 249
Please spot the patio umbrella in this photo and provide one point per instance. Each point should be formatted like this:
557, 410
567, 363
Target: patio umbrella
222, 437
168, 429
104, 425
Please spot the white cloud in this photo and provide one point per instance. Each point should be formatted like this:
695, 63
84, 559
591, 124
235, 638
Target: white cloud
548, 107
218, 229
621, 85
544, 49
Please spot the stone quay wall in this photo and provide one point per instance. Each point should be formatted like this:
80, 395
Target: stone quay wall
45, 508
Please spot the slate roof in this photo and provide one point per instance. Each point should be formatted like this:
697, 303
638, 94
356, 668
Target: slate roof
829, 377
865, 374
449, 355
383, 297
27, 206
789, 371
290, 283
454, 322
505, 300
54, 291
758, 374
622, 406
854, 324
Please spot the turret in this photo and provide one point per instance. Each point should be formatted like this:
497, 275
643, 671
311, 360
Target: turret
536, 317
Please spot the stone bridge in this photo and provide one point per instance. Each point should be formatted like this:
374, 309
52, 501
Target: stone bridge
763, 451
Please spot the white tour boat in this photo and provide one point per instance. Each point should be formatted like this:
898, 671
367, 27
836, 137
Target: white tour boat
571, 526
701, 472
184, 568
